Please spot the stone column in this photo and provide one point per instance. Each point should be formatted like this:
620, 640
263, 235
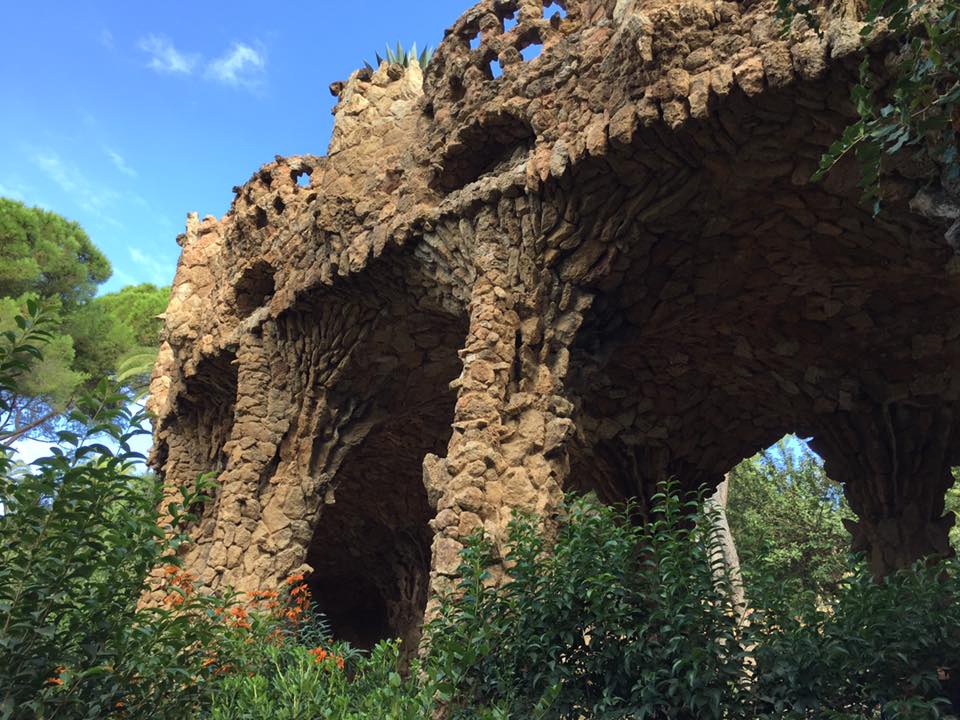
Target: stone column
507, 452
894, 460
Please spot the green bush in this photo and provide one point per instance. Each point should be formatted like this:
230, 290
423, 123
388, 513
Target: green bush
874, 646
78, 539
618, 621
614, 620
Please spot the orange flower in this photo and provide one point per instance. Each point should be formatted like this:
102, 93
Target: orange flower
319, 654
119, 705
340, 662
54, 681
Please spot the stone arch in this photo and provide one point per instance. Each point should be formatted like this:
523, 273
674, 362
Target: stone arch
254, 287
370, 548
364, 370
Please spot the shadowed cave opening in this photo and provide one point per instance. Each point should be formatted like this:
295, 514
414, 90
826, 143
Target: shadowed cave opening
204, 420
371, 546
255, 287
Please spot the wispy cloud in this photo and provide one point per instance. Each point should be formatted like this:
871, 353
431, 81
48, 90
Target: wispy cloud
120, 163
11, 193
88, 195
106, 39
159, 269
242, 65
165, 58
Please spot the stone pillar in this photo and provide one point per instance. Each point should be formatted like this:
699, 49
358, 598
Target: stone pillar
511, 420
894, 461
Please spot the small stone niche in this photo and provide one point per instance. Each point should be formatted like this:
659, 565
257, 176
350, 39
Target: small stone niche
255, 287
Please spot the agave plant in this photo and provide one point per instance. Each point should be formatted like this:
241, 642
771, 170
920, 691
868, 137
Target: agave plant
399, 56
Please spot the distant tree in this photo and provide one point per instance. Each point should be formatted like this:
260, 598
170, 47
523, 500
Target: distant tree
137, 307
786, 518
51, 260
46, 254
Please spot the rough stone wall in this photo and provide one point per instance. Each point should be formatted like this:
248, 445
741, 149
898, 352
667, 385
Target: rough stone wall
603, 267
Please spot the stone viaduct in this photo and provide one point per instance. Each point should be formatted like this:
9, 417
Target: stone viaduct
582, 252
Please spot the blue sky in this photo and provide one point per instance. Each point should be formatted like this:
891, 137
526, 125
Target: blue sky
125, 116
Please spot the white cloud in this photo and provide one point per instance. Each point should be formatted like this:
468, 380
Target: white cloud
106, 39
165, 58
159, 269
120, 163
240, 66
11, 193
88, 195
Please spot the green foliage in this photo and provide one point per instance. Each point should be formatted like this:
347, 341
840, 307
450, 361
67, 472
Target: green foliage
51, 381
136, 308
612, 621
399, 56
284, 681
43, 253
48, 258
872, 647
78, 538
920, 108
786, 517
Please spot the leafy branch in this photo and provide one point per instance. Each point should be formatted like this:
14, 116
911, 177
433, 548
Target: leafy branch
918, 107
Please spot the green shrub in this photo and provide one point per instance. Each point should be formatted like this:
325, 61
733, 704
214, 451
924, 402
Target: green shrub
612, 621
617, 621
290, 682
78, 539
874, 646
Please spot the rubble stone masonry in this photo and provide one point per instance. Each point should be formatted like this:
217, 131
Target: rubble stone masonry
605, 266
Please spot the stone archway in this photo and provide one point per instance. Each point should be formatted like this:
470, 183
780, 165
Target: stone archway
344, 494
370, 548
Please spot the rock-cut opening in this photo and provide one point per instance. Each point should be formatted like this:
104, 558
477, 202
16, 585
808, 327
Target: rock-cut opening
371, 548
194, 443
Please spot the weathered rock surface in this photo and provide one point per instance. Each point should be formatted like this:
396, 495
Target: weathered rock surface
606, 266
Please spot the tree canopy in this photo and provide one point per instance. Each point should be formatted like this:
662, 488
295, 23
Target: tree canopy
51, 260
46, 254
786, 517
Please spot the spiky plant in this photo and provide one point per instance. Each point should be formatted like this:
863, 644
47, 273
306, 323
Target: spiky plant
399, 56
